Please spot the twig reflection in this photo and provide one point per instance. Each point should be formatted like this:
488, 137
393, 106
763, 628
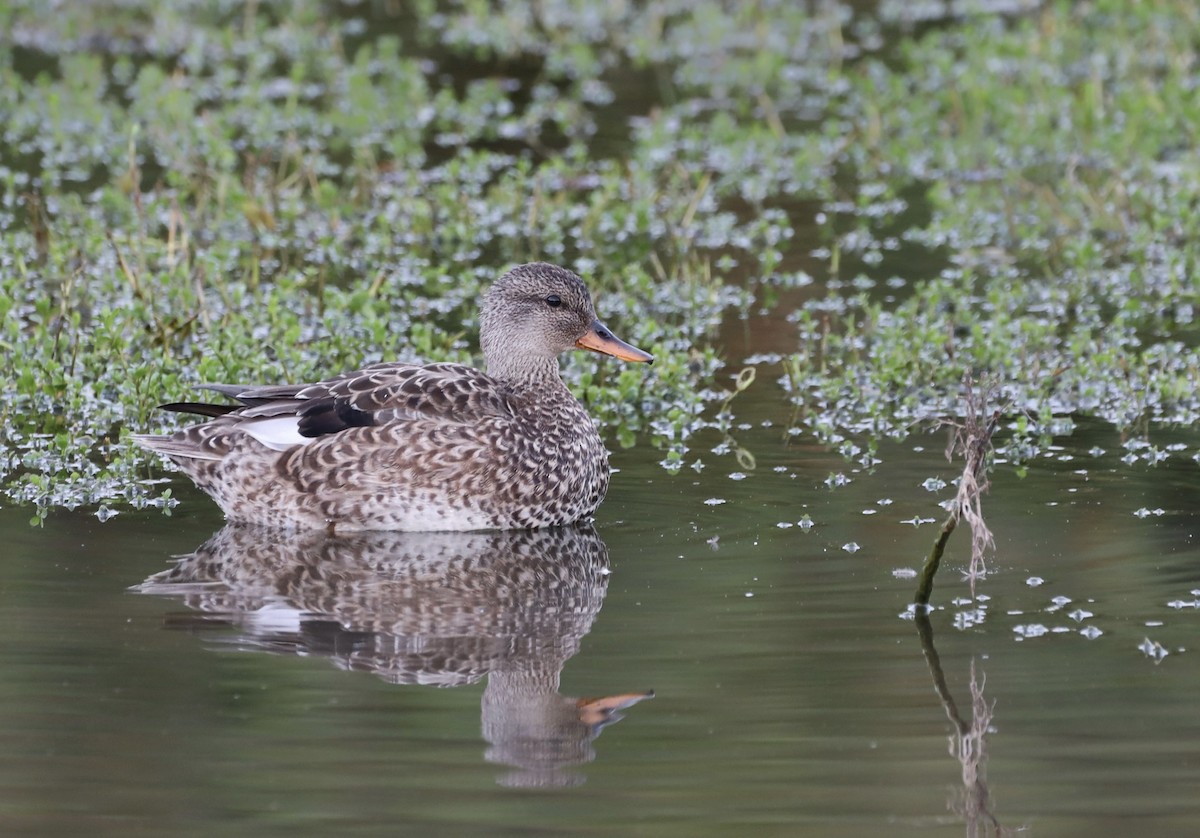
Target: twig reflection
968, 740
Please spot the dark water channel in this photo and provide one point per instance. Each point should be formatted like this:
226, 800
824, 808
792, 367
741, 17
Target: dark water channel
476, 684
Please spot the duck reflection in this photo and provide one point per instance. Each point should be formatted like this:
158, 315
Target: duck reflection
442, 609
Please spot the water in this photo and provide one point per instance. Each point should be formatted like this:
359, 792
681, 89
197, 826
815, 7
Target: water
291, 686
495, 685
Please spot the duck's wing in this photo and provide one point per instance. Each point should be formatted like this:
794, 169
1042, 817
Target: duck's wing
282, 416
388, 393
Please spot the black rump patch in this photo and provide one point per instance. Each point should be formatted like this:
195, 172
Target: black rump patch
328, 416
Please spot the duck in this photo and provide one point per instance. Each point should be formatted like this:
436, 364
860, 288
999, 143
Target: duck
409, 447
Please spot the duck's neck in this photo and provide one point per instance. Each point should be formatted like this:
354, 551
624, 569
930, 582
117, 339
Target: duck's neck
528, 374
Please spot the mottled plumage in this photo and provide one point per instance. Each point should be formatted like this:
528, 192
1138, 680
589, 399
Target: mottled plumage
405, 447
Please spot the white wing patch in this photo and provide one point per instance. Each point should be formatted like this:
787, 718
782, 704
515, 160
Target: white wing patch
279, 433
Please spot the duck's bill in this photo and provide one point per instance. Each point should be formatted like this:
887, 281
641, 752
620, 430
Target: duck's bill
600, 339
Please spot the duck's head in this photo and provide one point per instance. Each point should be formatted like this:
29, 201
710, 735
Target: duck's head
537, 311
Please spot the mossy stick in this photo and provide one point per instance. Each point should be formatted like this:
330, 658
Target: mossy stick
934, 560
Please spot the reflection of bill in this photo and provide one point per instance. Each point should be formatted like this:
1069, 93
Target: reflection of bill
442, 609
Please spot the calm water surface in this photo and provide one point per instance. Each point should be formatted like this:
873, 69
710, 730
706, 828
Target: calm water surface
496, 685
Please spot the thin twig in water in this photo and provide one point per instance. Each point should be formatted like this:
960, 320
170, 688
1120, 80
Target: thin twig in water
972, 440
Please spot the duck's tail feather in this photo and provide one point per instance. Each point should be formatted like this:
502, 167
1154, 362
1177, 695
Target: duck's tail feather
174, 446
199, 408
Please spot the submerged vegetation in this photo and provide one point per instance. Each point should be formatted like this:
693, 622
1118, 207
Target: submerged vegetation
274, 191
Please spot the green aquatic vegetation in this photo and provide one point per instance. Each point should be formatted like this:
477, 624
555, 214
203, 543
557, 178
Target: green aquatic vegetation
1055, 155
202, 193
273, 192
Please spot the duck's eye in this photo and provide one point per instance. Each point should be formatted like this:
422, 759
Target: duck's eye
554, 301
